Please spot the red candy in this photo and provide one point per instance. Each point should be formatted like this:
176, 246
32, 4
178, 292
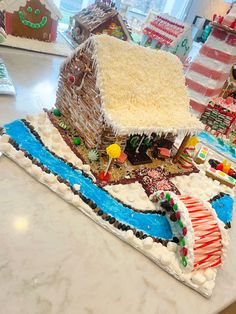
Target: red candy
178, 215
71, 79
104, 177
230, 172
171, 201
219, 167
184, 251
162, 195
184, 231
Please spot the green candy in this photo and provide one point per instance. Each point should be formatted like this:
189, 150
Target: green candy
180, 223
184, 261
182, 242
168, 197
175, 207
57, 112
77, 141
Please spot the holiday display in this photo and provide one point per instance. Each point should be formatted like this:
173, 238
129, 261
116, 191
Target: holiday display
168, 33
110, 149
210, 69
99, 18
34, 19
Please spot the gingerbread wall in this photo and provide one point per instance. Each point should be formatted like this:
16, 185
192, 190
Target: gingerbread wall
78, 99
35, 13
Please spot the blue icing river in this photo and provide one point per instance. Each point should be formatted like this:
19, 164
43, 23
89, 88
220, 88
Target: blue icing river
152, 224
224, 208
221, 147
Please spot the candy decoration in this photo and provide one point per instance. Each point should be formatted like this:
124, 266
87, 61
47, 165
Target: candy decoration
57, 112
178, 215
93, 155
182, 241
186, 158
77, 140
208, 245
71, 79
180, 223
184, 261
167, 196
184, 251
30, 24
184, 231
104, 177
113, 151
175, 207
63, 125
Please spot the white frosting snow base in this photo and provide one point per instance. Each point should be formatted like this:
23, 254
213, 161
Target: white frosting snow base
131, 194
57, 49
165, 257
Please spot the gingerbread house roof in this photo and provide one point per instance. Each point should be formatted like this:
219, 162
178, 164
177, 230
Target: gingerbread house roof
95, 15
142, 90
165, 29
13, 5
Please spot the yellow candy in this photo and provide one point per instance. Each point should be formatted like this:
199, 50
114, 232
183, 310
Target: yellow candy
192, 141
113, 151
222, 174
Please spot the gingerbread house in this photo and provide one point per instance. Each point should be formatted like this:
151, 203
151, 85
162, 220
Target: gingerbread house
99, 18
210, 69
168, 33
110, 90
35, 19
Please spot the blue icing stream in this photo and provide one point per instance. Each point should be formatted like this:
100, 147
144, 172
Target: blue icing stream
152, 224
212, 141
224, 208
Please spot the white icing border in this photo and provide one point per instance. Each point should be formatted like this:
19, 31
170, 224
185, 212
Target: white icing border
164, 257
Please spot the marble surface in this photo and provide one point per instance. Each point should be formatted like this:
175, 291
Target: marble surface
53, 259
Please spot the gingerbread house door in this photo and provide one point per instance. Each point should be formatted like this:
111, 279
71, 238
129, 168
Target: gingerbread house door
32, 21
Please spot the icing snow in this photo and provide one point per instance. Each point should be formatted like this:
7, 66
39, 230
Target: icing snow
131, 194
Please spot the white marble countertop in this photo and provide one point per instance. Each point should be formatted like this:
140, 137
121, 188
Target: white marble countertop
53, 259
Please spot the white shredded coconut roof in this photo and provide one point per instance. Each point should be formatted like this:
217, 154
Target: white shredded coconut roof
142, 90
14, 5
